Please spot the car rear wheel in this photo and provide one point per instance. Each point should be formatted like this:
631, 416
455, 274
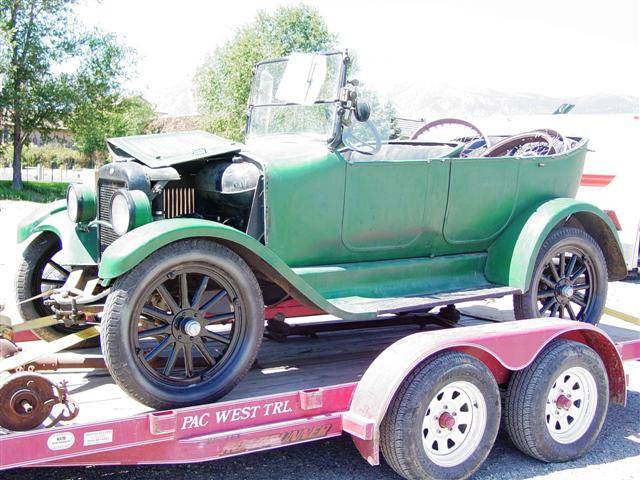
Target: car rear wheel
569, 279
184, 326
38, 272
444, 419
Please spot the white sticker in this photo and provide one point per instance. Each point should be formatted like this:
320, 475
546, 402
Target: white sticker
61, 441
98, 437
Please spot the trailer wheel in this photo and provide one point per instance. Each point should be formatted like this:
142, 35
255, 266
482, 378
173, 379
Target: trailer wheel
555, 408
184, 326
569, 279
37, 272
443, 420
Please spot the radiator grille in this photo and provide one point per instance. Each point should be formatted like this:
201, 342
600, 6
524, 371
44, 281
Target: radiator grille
178, 201
106, 189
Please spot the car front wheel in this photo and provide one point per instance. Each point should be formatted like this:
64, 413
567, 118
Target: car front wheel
184, 326
38, 273
569, 279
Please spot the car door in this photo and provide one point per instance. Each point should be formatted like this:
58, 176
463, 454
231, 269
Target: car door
481, 200
393, 207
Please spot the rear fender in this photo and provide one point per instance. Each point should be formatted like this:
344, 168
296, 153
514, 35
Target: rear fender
132, 248
504, 348
512, 256
79, 245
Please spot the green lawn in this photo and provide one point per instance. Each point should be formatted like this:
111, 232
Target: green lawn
42, 192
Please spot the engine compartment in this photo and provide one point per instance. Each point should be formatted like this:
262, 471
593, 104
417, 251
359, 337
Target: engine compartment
222, 189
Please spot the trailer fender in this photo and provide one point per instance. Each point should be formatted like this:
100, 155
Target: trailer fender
511, 258
130, 249
503, 347
79, 244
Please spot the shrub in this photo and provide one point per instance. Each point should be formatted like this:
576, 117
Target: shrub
49, 154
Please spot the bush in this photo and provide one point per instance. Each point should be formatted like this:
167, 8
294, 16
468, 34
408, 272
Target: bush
49, 154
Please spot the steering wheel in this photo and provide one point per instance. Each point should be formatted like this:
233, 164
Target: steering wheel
482, 141
527, 144
356, 143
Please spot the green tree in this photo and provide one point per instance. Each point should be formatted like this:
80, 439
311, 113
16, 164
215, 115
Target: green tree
223, 81
39, 41
92, 124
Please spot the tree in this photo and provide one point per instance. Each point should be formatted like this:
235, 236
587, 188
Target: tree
92, 125
223, 81
39, 41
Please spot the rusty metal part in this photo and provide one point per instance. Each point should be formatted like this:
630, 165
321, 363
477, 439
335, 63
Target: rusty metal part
25, 358
27, 400
56, 362
50, 362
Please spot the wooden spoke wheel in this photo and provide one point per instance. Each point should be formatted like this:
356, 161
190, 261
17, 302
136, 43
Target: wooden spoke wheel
569, 279
184, 326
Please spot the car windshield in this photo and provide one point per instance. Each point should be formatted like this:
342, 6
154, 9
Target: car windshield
296, 95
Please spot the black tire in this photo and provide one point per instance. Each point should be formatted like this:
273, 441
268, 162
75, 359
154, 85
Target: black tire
547, 291
34, 264
126, 362
401, 431
526, 402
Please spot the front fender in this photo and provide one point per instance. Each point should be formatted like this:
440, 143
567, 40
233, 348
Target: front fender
132, 248
28, 225
512, 256
79, 244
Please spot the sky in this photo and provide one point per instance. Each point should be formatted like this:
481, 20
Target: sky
550, 47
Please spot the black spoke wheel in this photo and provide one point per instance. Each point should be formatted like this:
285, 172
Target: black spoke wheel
39, 272
187, 322
569, 279
190, 322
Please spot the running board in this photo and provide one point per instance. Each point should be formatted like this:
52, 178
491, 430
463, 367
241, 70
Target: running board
360, 305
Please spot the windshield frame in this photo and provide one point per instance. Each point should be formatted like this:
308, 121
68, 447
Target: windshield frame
336, 136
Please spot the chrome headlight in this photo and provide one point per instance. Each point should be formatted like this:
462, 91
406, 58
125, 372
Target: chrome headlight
129, 209
81, 203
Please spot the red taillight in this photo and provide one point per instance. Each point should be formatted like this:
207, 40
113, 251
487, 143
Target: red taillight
614, 218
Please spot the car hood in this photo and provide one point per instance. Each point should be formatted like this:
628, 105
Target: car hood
169, 149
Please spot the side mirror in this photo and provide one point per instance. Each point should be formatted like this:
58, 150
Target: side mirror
362, 111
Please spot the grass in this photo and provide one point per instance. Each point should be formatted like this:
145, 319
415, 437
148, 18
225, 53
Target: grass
42, 192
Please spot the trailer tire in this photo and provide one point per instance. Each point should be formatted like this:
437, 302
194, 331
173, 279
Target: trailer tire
128, 358
565, 428
34, 266
409, 424
555, 292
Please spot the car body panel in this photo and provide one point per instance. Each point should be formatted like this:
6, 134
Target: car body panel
397, 278
27, 226
133, 247
167, 149
513, 255
79, 243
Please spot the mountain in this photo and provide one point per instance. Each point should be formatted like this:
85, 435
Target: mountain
414, 102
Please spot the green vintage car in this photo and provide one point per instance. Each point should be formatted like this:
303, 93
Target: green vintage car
186, 237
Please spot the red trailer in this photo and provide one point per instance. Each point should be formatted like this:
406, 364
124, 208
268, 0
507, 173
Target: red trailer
428, 398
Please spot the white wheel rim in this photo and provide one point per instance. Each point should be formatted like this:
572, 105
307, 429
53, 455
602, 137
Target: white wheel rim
571, 405
454, 424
